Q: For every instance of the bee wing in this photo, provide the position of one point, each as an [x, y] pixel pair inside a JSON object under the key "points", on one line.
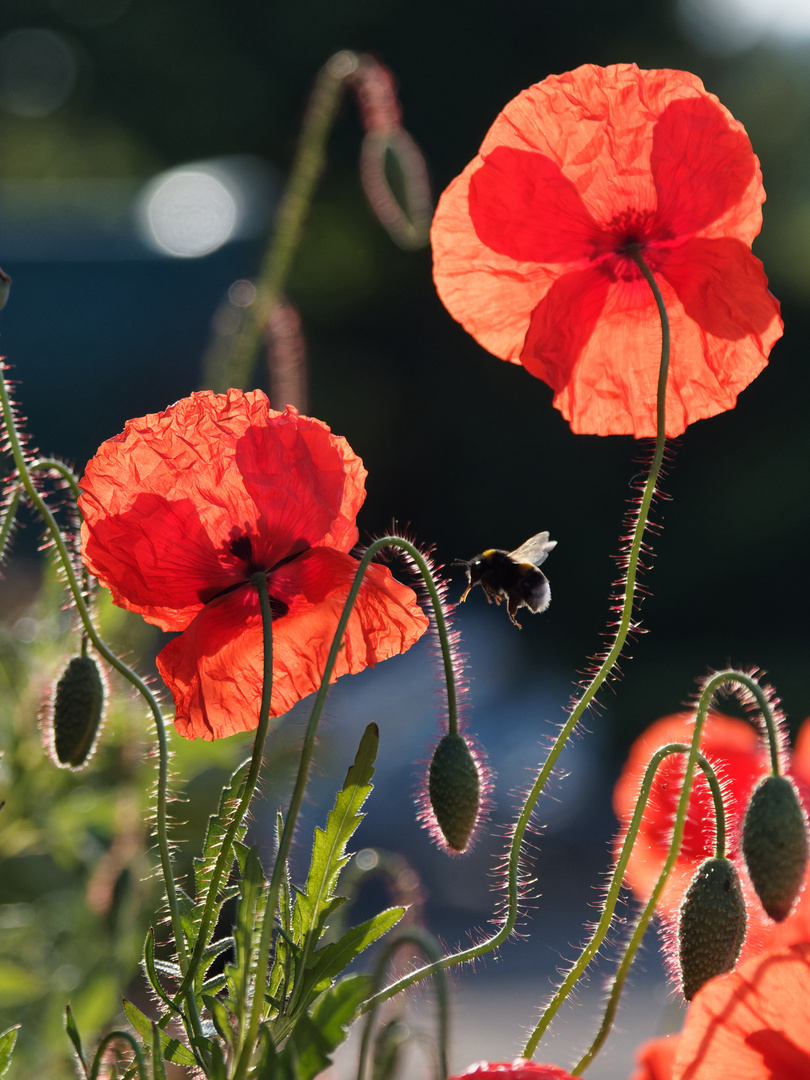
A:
{"points": [[535, 550]]}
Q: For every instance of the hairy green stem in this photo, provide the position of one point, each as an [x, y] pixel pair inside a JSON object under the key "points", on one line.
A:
{"points": [[248, 1034], [225, 853], [614, 889], [77, 594], [587, 696], [717, 682]]}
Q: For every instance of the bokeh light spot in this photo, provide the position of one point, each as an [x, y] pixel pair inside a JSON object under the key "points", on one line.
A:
{"points": [[37, 72], [729, 26], [188, 213]]}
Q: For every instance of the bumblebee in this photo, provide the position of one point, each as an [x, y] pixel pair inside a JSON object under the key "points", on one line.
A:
{"points": [[512, 576]]}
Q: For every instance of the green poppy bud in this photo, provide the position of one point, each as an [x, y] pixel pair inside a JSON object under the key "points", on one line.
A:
{"points": [[78, 709], [454, 788], [711, 924], [774, 843]]}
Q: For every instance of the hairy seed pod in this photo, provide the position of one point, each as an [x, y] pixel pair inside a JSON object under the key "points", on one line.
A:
{"points": [[454, 787], [78, 708], [711, 924], [774, 843]]}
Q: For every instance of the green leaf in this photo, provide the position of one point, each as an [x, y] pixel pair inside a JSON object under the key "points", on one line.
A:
{"points": [[151, 971], [217, 827], [327, 963], [74, 1036], [314, 1038], [220, 1016], [314, 903], [172, 1049], [247, 929], [7, 1041]]}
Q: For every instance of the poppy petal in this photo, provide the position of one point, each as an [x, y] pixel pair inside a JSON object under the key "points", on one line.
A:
{"points": [[165, 502], [695, 143], [214, 669], [571, 173], [752, 1024], [521, 205]]}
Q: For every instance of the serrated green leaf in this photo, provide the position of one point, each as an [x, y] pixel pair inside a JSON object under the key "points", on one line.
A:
{"points": [[247, 929], [172, 1049], [308, 1050], [329, 961], [74, 1036], [315, 901], [217, 827], [7, 1041]]}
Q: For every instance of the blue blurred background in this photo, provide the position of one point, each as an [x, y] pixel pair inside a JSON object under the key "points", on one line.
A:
{"points": [[106, 105]]}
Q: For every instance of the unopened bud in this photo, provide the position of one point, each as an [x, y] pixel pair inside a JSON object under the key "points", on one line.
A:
{"points": [[78, 708], [454, 787], [711, 924], [774, 843]]}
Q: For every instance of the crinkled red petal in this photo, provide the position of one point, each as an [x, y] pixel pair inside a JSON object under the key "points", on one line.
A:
{"points": [[164, 501], [702, 164], [521, 205], [214, 669]]}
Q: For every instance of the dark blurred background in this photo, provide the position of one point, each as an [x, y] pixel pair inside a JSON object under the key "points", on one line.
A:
{"points": [[100, 99]]}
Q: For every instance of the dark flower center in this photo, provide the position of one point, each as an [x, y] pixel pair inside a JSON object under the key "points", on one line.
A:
{"points": [[241, 547]]}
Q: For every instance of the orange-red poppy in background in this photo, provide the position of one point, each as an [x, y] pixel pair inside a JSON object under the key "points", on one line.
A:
{"points": [[531, 245], [740, 757], [751, 1024], [655, 1058], [520, 1069], [184, 506]]}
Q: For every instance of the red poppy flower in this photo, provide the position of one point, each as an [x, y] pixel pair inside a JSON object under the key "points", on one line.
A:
{"points": [[740, 756], [185, 505], [520, 1069], [530, 247], [752, 1024]]}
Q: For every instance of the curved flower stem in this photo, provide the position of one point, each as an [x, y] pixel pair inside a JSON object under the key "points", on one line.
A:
{"points": [[588, 952], [589, 693], [53, 465], [306, 170], [77, 593], [722, 678], [110, 1037], [428, 946], [225, 853], [10, 516], [308, 746]]}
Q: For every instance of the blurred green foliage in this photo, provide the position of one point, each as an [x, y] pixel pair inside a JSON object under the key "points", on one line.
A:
{"points": [[78, 885]]}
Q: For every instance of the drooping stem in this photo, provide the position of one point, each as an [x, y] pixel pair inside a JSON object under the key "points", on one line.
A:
{"points": [[600, 931], [589, 693], [428, 946], [717, 682], [83, 611], [236, 369]]}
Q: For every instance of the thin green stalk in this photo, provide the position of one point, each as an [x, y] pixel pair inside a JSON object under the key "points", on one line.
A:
{"points": [[113, 1036], [308, 747], [225, 853], [722, 678], [588, 694], [77, 593], [295, 204], [10, 516], [599, 933]]}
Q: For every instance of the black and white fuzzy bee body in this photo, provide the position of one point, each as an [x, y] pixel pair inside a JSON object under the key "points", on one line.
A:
{"points": [[512, 576]]}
